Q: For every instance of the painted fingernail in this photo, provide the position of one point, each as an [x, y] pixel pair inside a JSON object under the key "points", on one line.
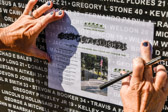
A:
{"points": [[60, 12], [56, 10], [52, 12], [48, 3], [145, 44]]}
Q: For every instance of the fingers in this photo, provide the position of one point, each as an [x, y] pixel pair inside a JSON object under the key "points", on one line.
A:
{"points": [[44, 20], [29, 6], [56, 16], [146, 51], [39, 54], [161, 76], [138, 69], [146, 56], [38, 12], [125, 84], [125, 81]]}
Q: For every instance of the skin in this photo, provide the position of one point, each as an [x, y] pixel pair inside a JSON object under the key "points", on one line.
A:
{"points": [[142, 92], [22, 34]]}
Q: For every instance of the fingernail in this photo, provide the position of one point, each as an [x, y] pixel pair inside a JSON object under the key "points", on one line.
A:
{"points": [[60, 12], [48, 3], [145, 44], [52, 12], [56, 10]]}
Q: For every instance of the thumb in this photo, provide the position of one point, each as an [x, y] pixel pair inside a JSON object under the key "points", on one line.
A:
{"points": [[39, 54]]}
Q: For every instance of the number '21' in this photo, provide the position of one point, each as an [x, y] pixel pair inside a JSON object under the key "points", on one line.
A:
{"points": [[161, 3]]}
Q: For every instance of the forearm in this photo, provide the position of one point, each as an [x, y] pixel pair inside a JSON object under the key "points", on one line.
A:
{"points": [[129, 110], [3, 35]]}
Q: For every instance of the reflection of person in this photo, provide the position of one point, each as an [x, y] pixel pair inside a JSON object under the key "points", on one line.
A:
{"points": [[142, 92], [21, 35]]}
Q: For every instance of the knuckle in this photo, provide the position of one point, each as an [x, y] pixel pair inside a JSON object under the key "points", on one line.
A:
{"points": [[138, 63], [139, 66], [36, 13], [162, 75], [40, 24], [147, 88], [161, 67], [135, 59], [161, 71], [138, 59], [29, 34], [135, 86]]}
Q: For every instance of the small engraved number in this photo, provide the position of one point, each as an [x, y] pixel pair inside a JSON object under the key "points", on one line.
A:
{"points": [[161, 3], [139, 11]]}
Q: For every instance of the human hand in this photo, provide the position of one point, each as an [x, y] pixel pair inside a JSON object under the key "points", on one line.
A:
{"points": [[142, 92], [22, 34]]}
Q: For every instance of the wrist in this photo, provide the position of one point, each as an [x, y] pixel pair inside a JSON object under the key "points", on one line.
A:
{"points": [[130, 110], [3, 36]]}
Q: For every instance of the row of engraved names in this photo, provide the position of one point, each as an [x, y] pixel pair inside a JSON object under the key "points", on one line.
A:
{"points": [[54, 100]]}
